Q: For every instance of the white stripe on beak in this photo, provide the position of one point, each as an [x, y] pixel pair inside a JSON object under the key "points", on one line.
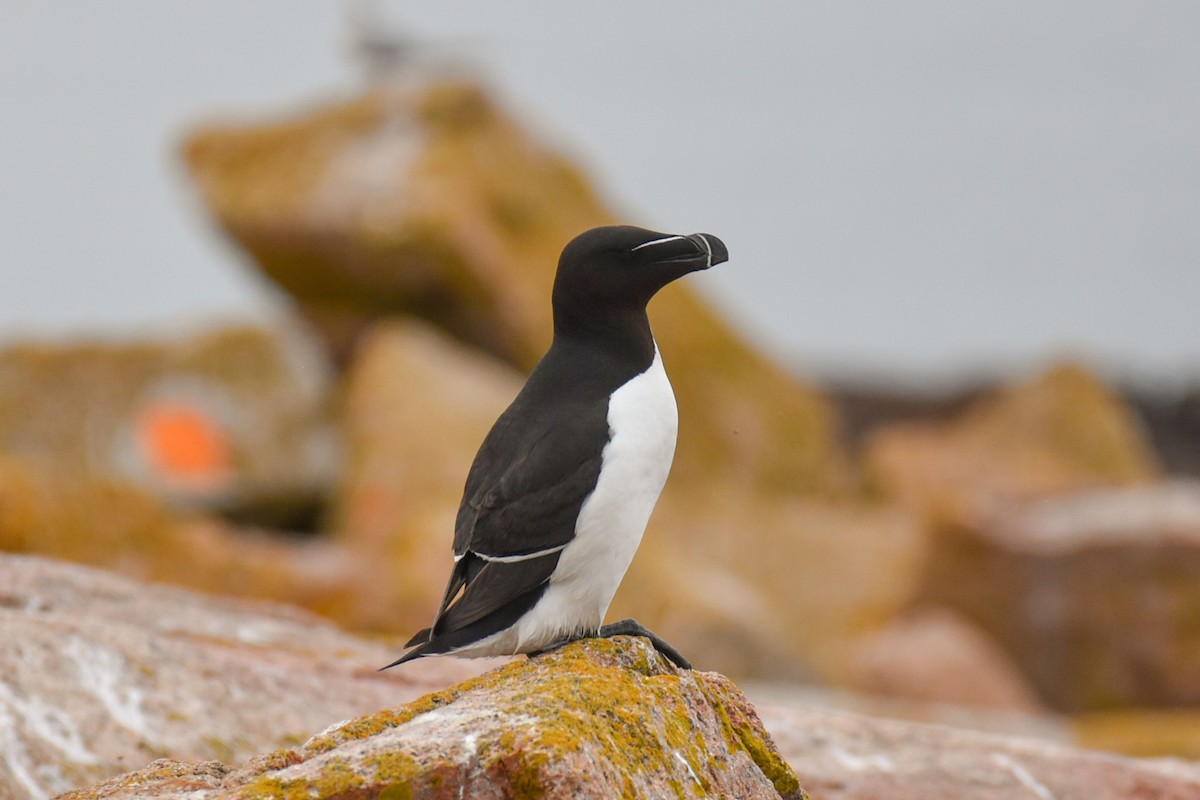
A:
{"points": [[707, 249]]}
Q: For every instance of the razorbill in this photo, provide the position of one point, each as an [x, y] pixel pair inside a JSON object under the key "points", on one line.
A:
{"points": [[560, 492]]}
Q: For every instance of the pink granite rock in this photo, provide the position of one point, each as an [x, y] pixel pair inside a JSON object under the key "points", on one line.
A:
{"points": [[936, 655], [1094, 594], [99, 675], [596, 719], [841, 756]]}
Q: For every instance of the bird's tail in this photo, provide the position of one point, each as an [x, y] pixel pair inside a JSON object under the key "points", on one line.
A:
{"points": [[419, 642]]}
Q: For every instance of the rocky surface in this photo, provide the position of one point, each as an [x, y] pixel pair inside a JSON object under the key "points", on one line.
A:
{"points": [[841, 756], [159, 692], [1053, 531], [936, 655], [99, 675], [415, 405], [233, 419], [776, 588], [800, 577], [1061, 431], [1095, 594], [119, 526], [1141, 732], [596, 719]]}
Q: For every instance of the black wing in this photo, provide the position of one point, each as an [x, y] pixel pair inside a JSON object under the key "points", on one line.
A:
{"points": [[526, 487], [522, 498]]}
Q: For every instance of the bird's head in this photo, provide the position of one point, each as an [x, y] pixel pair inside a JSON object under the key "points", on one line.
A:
{"points": [[620, 267]]}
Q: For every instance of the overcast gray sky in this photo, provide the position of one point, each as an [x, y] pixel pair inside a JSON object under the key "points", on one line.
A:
{"points": [[915, 187]]}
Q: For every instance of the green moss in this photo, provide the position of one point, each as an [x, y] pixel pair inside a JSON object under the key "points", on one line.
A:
{"points": [[520, 765], [336, 778], [398, 791], [394, 767], [526, 782], [613, 698], [221, 749], [741, 735], [264, 786]]}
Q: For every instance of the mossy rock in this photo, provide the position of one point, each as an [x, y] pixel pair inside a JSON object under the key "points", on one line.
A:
{"points": [[598, 718]]}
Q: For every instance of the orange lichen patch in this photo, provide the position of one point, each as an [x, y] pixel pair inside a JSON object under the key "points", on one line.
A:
{"points": [[183, 445]]}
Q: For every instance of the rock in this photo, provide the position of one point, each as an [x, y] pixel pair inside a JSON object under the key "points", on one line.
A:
{"points": [[1063, 431], [799, 578], [118, 526], [231, 420], [1141, 732], [415, 407], [602, 719], [841, 756], [1172, 419], [433, 203], [1061, 613], [768, 587], [778, 697], [935, 655], [101, 674], [1096, 595]]}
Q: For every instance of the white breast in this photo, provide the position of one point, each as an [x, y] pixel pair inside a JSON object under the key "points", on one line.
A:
{"points": [[643, 423]]}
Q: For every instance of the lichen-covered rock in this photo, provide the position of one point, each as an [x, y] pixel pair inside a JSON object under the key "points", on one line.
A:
{"points": [[1091, 620], [596, 719], [99, 674], [232, 419], [1095, 594], [1062, 431], [771, 587], [841, 756], [1143, 732], [116, 525], [432, 202], [415, 406]]}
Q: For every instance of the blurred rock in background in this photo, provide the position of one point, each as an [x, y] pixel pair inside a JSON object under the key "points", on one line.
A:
{"points": [[1019, 548], [1062, 431], [431, 203], [235, 420], [1094, 593], [434, 203]]}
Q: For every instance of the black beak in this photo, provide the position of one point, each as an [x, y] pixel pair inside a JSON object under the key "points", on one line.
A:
{"points": [[713, 247]]}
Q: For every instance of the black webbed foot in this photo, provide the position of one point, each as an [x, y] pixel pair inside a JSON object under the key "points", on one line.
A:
{"points": [[625, 627], [631, 627]]}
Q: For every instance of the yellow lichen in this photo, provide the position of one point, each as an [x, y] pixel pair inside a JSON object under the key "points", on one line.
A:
{"points": [[613, 699]]}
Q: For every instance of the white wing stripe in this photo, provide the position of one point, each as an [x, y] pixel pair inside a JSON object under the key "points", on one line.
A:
{"points": [[522, 557]]}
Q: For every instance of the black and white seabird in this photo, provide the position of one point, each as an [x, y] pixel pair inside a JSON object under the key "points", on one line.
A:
{"points": [[561, 490]]}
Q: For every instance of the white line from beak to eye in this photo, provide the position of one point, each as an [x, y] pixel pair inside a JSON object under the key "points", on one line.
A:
{"points": [[657, 241]]}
